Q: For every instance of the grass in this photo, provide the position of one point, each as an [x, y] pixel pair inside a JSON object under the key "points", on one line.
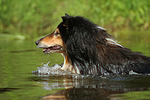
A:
{"points": [[35, 18]]}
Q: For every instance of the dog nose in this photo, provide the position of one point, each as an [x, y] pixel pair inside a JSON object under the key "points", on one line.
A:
{"points": [[37, 42]]}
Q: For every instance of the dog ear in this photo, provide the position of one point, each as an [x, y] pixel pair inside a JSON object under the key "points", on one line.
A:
{"points": [[66, 15], [64, 21], [64, 18]]}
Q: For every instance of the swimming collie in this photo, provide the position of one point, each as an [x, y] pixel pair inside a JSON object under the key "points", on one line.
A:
{"points": [[88, 49]]}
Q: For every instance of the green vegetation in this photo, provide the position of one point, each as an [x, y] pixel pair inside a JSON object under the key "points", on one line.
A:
{"points": [[32, 18]]}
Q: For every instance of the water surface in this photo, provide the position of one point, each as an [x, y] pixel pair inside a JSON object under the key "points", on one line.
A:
{"points": [[19, 58]]}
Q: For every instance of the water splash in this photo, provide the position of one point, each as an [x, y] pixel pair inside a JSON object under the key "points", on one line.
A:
{"points": [[45, 69], [56, 70], [133, 73]]}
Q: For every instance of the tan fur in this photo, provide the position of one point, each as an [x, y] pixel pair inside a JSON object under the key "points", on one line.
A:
{"points": [[52, 39], [68, 66]]}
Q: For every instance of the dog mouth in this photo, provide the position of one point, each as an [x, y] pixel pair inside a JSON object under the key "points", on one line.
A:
{"points": [[52, 49]]}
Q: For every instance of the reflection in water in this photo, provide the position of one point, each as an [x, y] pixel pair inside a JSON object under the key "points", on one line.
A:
{"points": [[89, 88], [2, 90], [79, 94]]}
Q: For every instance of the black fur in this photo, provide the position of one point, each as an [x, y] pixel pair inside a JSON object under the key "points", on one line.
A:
{"points": [[89, 50]]}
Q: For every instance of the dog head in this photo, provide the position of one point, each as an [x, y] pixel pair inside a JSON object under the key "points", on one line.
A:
{"points": [[53, 42]]}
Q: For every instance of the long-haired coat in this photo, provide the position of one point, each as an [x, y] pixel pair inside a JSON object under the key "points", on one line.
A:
{"points": [[88, 49]]}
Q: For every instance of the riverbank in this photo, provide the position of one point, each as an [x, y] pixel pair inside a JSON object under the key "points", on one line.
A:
{"points": [[36, 18]]}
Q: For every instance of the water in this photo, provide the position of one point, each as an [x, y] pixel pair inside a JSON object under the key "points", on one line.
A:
{"points": [[50, 70], [18, 59]]}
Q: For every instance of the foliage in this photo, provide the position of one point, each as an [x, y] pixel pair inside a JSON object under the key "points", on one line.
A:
{"points": [[32, 18]]}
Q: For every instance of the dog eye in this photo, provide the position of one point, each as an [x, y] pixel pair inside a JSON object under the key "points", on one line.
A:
{"points": [[56, 33]]}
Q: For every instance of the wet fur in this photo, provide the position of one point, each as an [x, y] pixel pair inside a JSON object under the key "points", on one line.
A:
{"points": [[89, 49]]}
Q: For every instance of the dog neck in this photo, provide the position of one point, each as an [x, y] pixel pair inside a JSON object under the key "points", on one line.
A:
{"points": [[67, 66]]}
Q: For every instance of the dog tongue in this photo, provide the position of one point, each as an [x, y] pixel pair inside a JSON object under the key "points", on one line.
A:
{"points": [[51, 48], [54, 48]]}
